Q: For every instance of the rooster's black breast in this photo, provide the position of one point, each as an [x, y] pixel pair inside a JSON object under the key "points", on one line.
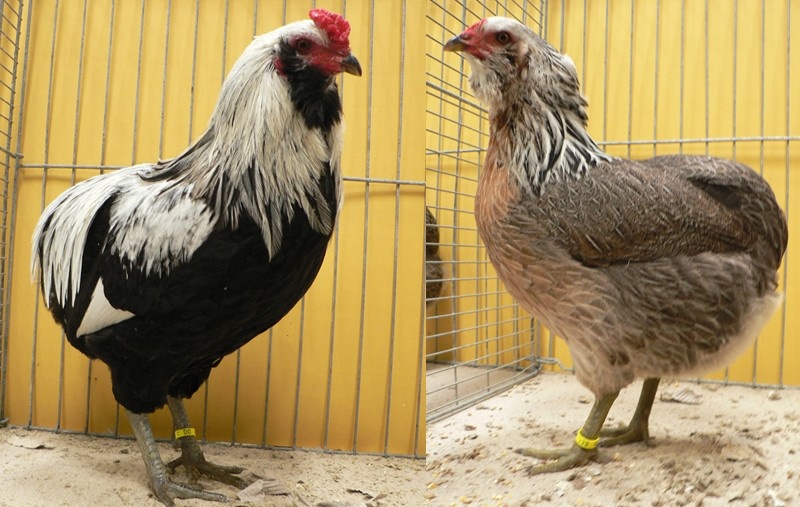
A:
{"points": [[188, 319]]}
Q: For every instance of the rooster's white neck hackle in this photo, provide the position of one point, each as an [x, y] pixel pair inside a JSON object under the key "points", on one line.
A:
{"points": [[257, 155]]}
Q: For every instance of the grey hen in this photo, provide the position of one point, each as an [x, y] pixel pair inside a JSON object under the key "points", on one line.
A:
{"points": [[660, 267]]}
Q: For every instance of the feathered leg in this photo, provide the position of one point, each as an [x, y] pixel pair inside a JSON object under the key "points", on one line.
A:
{"points": [[585, 447], [192, 457], [164, 489], [638, 429]]}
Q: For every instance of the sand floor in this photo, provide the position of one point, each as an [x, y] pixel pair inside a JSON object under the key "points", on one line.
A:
{"points": [[715, 446], [39, 468]]}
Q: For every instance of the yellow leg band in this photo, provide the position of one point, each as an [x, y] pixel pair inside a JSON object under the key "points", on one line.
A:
{"points": [[184, 432], [586, 443]]}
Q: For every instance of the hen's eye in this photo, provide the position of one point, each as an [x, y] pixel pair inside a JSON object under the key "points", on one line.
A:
{"points": [[503, 37], [303, 46]]}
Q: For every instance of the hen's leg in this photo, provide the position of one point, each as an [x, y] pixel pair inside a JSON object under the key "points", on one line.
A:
{"points": [[637, 430], [585, 447], [164, 489], [192, 457]]}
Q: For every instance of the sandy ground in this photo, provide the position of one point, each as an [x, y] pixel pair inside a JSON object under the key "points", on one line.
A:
{"points": [[46, 469], [711, 446]]}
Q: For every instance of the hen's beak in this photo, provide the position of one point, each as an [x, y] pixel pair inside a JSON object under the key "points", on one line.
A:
{"points": [[455, 44], [350, 65]]}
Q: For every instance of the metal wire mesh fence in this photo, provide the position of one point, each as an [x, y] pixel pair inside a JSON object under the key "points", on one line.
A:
{"points": [[10, 32], [714, 77], [478, 341], [110, 84]]}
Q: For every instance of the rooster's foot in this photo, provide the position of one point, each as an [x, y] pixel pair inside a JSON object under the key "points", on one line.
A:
{"points": [[196, 465], [165, 490]]}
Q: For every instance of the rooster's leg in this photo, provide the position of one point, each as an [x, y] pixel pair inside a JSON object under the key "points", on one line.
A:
{"points": [[192, 457], [164, 489], [637, 430], [577, 455]]}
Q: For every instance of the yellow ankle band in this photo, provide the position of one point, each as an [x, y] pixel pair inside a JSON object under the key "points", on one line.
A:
{"points": [[184, 432], [586, 443]]}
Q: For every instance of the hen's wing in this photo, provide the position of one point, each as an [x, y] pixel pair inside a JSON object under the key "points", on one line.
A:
{"points": [[626, 211]]}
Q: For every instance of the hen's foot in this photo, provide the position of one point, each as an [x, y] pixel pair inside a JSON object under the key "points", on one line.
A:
{"points": [[559, 459], [196, 465], [634, 432], [638, 429]]}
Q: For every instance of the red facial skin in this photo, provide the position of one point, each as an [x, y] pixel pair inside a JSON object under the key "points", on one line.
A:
{"points": [[333, 58], [326, 59], [479, 42]]}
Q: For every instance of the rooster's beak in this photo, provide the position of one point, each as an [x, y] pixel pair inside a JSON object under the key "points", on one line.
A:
{"points": [[456, 44], [350, 65]]}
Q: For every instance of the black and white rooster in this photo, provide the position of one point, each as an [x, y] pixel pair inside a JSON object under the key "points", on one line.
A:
{"points": [[160, 270]]}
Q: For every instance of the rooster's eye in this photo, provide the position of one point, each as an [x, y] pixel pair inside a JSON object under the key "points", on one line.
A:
{"points": [[303, 46], [502, 37]]}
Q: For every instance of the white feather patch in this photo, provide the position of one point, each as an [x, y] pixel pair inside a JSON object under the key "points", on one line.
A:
{"points": [[67, 220], [159, 224], [100, 313]]}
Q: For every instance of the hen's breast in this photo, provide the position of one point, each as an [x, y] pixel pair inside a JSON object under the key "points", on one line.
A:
{"points": [[689, 310]]}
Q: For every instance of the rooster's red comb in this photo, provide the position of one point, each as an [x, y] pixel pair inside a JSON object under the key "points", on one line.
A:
{"points": [[337, 28]]}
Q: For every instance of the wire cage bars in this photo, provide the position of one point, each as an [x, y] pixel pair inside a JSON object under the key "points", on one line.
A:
{"points": [[713, 77], [10, 33], [478, 341], [110, 84]]}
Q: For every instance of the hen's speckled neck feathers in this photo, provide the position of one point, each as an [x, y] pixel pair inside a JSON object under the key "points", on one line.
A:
{"points": [[538, 113]]}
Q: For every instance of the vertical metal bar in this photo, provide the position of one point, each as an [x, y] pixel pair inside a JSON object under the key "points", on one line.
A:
{"points": [[605, 76], [786, 201], [266, 387], [585, 40], [138, 86], [164, 81], [630, 83], [194, 68], [74, 162], [734, 53], [562, 22], [299, 371], [681, 76], [366, 229], [395, 261], [103, 146], [733, 131], [655, 77], [238, 352], [420, 388], [761, 145], [103, 143], [135, 135], [707, 75], [329, 377], [255, 17]]}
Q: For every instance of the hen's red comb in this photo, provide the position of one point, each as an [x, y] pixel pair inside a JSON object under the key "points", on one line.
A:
{"points": [[337, 28]]}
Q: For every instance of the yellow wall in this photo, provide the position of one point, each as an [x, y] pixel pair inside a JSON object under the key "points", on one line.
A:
{"points": [[616, 60], [372, 360]]}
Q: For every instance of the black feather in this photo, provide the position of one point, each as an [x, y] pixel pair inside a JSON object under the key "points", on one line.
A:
{"points": [[313, 92]]}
